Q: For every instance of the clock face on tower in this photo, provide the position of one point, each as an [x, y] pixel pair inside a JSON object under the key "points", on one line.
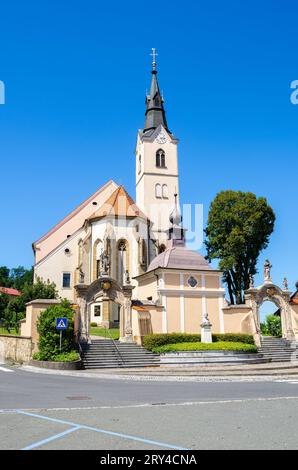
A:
{"points": [[161, 138]]}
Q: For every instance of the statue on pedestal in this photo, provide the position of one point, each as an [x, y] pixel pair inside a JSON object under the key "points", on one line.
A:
{"points": [[267, 270], [104, 264]]}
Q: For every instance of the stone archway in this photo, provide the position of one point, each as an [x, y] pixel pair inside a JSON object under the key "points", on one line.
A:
{"points": [[105, 289], [281, 298]]}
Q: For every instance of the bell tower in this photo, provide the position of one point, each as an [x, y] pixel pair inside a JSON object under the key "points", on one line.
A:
{"points": [[156, 163]]}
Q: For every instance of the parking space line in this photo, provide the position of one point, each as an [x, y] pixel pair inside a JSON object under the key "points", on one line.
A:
{"points": [[3, 369], [102, 431], [52, 438]]}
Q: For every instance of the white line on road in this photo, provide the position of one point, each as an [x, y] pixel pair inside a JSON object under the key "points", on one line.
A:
{"points": [[77, 426], [3, 369], [152, 405]]}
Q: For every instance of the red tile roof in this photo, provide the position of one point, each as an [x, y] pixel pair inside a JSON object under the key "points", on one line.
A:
{"points": [[118, 204], [10, 291]]}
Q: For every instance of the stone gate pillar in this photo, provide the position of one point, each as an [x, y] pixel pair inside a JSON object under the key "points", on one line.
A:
{"points": [[81, 290], [126, 333]]}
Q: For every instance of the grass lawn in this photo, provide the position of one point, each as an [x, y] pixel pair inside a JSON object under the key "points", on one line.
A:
{"points": [[12, 332], [113, 332], [219, 346]]}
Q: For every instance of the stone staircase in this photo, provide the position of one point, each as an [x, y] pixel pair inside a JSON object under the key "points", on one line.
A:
{"points": [[108, 354], [278, 349]]}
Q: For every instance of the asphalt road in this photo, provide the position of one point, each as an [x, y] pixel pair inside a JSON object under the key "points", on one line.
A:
{"points": [[39, 411]]}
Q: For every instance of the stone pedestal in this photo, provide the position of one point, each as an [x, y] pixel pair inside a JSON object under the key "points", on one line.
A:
{"points": [[206, 333], [126, 333]]}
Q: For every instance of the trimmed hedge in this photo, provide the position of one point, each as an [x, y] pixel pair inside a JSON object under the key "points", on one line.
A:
{"points": [[219, 346], [157, 340], [234, 337]]}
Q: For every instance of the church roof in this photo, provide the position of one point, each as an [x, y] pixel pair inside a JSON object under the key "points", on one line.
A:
{"points": [[74, 213], [179, 257], [118, 204], [155, 113]]}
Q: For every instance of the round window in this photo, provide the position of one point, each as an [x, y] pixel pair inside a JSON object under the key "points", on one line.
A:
{"points": [[192, 282]]}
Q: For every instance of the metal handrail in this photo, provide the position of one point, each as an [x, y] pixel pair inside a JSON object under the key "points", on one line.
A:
{"points": [[116, 347]]}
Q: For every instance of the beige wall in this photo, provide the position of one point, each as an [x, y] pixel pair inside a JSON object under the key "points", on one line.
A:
{"points": [[193, 315], [212, 282], [238, 319], [29, 324], [213, 312], [294, 315], [54, 265], [173, 314], [15, 348]]}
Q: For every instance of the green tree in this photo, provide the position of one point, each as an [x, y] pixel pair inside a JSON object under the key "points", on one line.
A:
{"points": [[238, 229], [272, 326], [4, 300], [5, 280], [20, 277], [16, 308], [49, 337]]}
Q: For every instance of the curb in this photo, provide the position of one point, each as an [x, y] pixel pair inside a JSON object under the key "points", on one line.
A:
{"points": [[166, 378]]}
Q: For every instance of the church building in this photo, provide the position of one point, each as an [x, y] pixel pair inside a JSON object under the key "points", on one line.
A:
{"points": [[138, 246]]}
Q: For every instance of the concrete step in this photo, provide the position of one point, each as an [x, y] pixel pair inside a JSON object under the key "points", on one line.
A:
{"points": [[109, 354]]}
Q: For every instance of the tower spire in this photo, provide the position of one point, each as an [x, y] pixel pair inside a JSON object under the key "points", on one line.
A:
{"points": [[154, 55], [155, 113]]}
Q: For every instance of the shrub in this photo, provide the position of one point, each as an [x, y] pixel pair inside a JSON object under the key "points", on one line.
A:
{"points": [[63, 357], [49, 337], [272, 326], [93, 324], [220, 346], [234, 337], [157, 340]]}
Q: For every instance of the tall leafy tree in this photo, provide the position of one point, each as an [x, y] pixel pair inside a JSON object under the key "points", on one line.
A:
{"points": [[21, 277], [238, 229], [5, 280]]}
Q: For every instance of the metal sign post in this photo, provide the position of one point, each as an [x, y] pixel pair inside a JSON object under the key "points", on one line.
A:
{"points": [[61, 324]]}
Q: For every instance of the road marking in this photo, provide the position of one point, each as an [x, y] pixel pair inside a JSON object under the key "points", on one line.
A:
{"points": [[290, 382], [148, 405], [52, 438], [102, 431], [3, 369]]}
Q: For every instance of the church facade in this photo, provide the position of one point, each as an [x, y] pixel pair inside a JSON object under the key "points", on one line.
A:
{"points": [[125, 262]]}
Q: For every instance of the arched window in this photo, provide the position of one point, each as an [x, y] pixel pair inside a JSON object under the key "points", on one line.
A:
{"points": [[158, 191], [165, 191], [97, 251], [122, 258], [160, 159]]}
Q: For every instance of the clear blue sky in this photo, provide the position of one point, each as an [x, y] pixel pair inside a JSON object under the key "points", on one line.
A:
{"points": [[76, 75]]}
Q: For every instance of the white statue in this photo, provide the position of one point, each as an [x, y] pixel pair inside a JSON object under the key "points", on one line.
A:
{"points": [[267, 270], [285, 284]]}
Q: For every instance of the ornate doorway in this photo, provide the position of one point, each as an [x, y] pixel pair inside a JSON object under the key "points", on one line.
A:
{"points": [[105, 291], [269, 292]]}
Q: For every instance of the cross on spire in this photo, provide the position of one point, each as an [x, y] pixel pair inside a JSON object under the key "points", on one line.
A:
{"points": [[154, 55]]}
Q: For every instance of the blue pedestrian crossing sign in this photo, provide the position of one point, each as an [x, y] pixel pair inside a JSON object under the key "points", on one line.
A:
{"points": [[61, 323]]}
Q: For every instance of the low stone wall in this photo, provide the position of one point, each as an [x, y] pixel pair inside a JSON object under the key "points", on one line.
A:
{"points": [[192, 358], [15, 348], [73, 365]]}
